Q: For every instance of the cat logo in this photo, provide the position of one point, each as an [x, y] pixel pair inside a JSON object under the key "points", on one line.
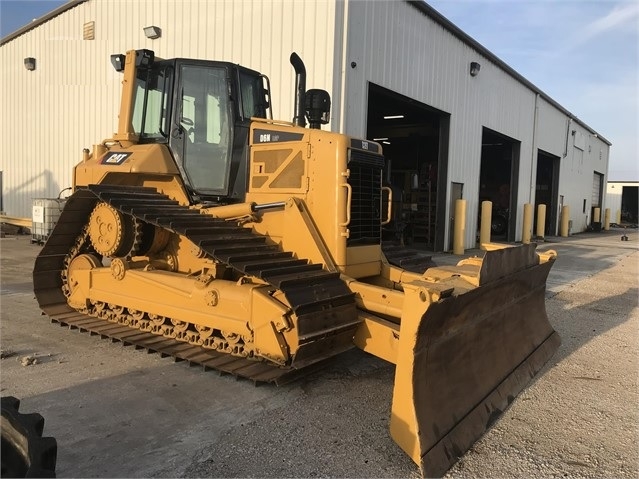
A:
{"points": [[114, 158]]}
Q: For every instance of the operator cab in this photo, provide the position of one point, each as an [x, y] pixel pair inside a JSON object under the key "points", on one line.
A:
{"points": [[202, 110]]}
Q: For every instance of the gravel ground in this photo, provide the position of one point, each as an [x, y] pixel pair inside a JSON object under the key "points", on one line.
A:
{"points": [[117, 412], [580, 418], [317, 436]]}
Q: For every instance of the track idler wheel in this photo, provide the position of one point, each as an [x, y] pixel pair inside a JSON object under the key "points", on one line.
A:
{"points": [[25, 453]]}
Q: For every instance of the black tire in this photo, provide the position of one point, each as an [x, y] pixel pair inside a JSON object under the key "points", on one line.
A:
{"points": [[498, 225], [25, 453]]}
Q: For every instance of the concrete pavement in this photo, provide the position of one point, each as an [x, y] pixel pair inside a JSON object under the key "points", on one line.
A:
{"points": [[117, 412]]}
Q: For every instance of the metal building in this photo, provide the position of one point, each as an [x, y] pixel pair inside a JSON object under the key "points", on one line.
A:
{"points": [[454, 120], [622, 198]]}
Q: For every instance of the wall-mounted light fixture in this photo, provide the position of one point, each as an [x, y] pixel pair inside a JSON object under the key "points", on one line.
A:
{"points": [[474, 69], [30, 63], [117, 61], [152, 32]]}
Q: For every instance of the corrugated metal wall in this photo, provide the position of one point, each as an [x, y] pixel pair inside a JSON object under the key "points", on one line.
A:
{"points": [[400, 48], [585, 155], [71, 100], [47, 114], [581, 155], [614, 195]]}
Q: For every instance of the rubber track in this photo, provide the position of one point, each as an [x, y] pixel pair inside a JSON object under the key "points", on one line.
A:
{"points": [[324, 305]]}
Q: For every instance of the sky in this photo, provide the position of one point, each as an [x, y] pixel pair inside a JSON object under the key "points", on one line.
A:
{"points": [[15, 14], [584, 54]]}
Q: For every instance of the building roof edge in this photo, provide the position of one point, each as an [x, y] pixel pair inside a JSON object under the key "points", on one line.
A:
{"points": [[429, 11], [43, 19]]}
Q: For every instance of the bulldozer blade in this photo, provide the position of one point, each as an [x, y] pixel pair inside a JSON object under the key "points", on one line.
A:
{"points": [[463, 360]]}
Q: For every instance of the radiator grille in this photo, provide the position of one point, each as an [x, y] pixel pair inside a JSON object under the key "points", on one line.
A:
{"points": [[366, 203]]}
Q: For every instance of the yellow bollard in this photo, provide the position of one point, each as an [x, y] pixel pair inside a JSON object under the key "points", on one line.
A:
{"points": [[460, 227], [565, 218], [596, 215], [618, 217], [527, 228], [541, 221], [486, 220], [607, 219]]}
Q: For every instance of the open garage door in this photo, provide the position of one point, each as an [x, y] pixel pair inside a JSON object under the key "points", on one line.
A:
{"points": [[596, 199], [629, 206], [414, 137], [498, 181], [547, 190]]}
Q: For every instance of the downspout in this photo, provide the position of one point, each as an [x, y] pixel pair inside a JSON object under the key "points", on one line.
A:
{"points": [[567, 136], [533, 155], [561, 197]]}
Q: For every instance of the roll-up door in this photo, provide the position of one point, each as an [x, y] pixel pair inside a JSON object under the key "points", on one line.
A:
{"points": [[597, 181]]}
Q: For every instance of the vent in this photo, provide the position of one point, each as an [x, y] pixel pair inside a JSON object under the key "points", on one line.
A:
{"points": [[366, 202], [88, 31]]}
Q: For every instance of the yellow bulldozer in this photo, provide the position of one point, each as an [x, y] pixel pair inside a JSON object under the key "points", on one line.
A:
{"points": [[207, 231]]}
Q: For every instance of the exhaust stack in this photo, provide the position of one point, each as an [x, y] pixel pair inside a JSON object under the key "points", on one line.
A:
{"points": [[300, 89]]}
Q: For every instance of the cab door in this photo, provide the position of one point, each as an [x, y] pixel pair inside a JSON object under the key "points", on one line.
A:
{"points": [[201, 134]]}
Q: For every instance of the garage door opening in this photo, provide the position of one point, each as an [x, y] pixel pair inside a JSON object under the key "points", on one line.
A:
{"points": [[629, 204], [414, 137], [547, 190], [498, 181], [596, 200]]}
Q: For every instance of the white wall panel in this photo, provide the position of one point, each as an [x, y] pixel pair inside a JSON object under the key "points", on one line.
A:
{"points": [[552, 129], [614, 193], [400, 48], [576, 172], [71, 100], [51, 113]]}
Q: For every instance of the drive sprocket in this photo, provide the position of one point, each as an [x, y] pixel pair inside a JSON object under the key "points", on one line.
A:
{"points": [[112, 233]]}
